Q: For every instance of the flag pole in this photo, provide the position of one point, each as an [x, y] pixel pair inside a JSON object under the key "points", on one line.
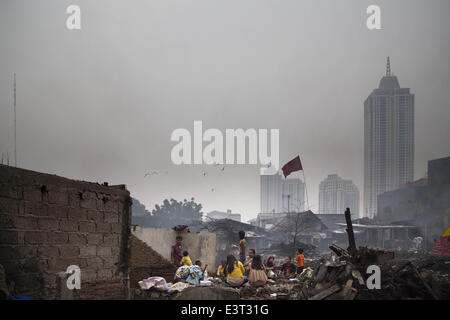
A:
{"points": [[306, 189]]}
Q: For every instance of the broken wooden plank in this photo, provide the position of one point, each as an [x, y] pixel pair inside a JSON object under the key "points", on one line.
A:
{"points": [[325, 293], [430, 291], [351, 295], [305, 293], [347, 288], [357, 275], [321, 273], [318, 288], [339, 251]]}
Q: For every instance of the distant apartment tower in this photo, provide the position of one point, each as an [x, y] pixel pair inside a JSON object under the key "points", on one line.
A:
{"points": [[337, 194], [280, 195], [388, 140], [217, 215]]}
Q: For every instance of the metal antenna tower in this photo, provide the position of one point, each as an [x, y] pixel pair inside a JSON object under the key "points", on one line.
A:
{"points": [[388, 68]]}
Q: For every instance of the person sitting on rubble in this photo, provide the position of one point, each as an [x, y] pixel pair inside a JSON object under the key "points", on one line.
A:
{"points": [[248, 264], [257, 276], [270, 267], [270, 263], [288, 268], [221, 269], [234, 272], [300, 261], [186, 260], [199, 264]]}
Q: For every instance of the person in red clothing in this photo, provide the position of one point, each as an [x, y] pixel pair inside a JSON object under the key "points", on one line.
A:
{"points": [[300, 261], [176, 251]]}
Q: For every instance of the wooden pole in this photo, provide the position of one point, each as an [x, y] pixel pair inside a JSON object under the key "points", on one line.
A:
{"points": [[350, 234]]}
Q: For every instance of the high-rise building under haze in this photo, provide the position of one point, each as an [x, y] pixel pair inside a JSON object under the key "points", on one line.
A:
{"points": [[337, 194], [388, 140], [280, 195]]}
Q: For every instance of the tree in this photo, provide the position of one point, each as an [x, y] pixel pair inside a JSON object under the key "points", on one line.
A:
{"points": [[294, 225], [173, 212], [138, 209]]}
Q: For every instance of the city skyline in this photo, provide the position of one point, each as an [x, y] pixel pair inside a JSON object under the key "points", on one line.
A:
{"points": [[99, 104]]}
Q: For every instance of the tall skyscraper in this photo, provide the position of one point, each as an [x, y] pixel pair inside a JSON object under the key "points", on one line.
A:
{"points": [[337, 194], [388, 140], [279, 194]]}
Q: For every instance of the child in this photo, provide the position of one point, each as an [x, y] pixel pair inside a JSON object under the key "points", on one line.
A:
{"points": [[199, 264], [186, 261], [300, 261]]}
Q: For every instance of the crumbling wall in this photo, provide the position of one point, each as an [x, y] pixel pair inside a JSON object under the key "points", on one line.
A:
{"points": [[200, 245], [146, 262], [48, 223]]}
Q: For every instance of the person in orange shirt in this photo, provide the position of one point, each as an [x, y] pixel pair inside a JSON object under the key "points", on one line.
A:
{"points": [[300, 261]]}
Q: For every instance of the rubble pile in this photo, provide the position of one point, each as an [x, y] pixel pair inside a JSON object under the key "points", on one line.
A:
{"points": [[152, 294], [281, 289], [346, 277], [341, 279], [412, 279]]}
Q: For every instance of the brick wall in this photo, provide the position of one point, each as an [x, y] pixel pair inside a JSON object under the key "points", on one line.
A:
{"points": [[48, 223]]}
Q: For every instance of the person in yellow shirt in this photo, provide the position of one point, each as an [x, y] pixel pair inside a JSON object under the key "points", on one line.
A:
{"points": [[221, 269], [234, 272], [186, 261], [300, 261]]}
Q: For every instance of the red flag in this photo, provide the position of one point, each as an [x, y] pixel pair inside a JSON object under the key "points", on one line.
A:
{"points": [[292, 166]]}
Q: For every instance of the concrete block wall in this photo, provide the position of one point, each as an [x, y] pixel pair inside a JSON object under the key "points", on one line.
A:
{"points": [[146, 262], [200, 245], [48, 223]]}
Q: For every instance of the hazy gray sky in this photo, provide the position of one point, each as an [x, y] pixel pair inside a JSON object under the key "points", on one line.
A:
{"points": [[99, 104]]}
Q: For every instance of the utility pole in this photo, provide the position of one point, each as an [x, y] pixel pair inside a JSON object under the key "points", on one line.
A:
{"points": [[296, 223], [289, 200]]}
